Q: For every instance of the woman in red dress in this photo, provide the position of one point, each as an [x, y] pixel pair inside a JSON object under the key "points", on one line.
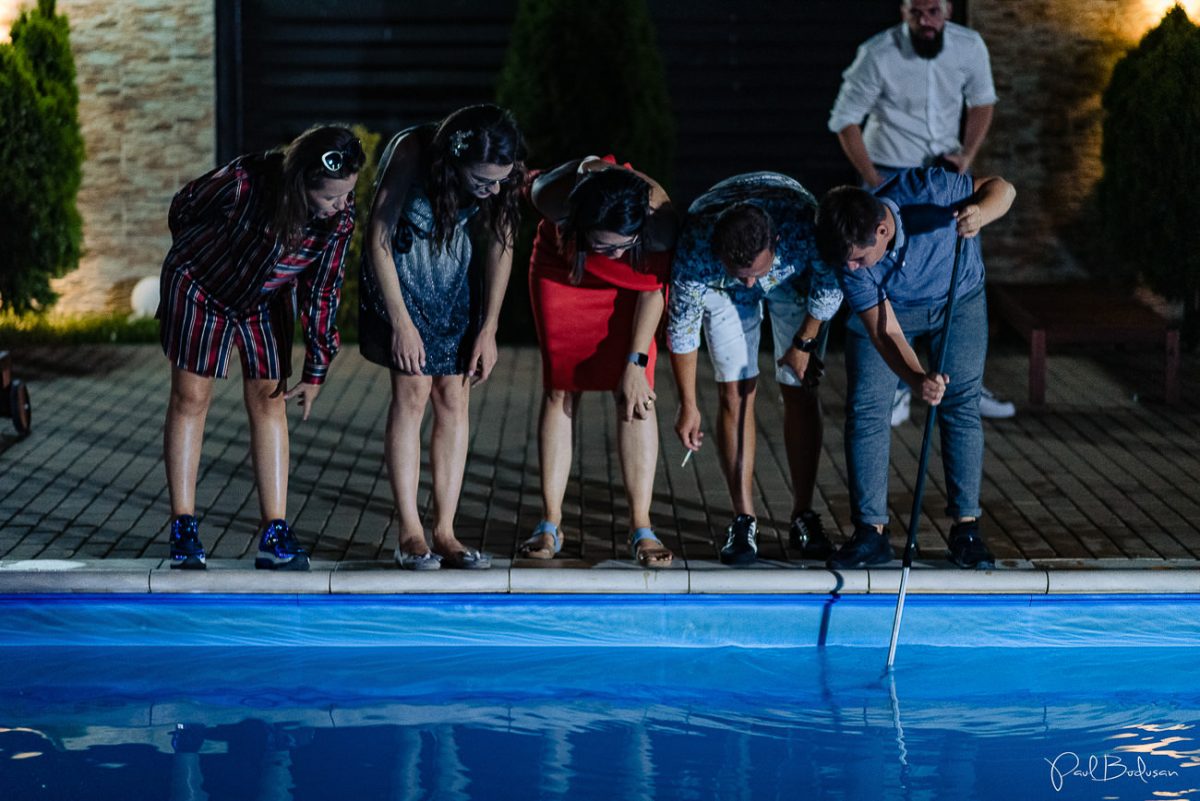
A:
{"points": [[597, 279]]}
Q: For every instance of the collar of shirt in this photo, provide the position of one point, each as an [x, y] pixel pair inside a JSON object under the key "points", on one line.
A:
{"points": [[778, 273]]}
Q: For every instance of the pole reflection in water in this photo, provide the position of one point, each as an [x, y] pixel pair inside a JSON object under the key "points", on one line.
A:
{"points": [[406, 756]]}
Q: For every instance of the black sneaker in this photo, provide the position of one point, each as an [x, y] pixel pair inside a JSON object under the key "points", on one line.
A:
{"points": [[278, 549], [187, 552], [741, 543], [967, 549], [866, 547], [808, 537]]}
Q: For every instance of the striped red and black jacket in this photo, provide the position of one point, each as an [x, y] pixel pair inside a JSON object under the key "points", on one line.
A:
{"points": [[222, 238]]}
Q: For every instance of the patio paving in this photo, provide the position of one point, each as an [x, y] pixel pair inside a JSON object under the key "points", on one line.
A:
{"points": [[1106, 476]]}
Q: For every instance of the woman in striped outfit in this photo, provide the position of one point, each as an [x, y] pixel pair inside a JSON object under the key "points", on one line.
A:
{"points": [[252, 241]]}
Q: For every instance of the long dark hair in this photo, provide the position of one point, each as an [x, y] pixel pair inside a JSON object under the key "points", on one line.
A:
{"points": [[483, 134], [613, 200], [304, 168]]}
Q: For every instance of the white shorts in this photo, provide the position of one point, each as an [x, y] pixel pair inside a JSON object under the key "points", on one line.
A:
{"points": [[732, 330]]}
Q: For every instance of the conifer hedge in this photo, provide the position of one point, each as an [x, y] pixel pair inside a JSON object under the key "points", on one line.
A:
{"points": [[1148, 196], [582, 77], [41, 159], [585, 77]]}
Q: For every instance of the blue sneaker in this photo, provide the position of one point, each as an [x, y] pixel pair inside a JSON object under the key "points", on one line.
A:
{"points": [[187, 552], [278, 549]]}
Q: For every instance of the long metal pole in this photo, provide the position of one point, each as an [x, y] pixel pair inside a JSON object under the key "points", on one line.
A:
{"points": [[914, 519]]}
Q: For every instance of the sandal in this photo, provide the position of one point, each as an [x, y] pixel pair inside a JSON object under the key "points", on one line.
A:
{"points": [[532, 546], [646, 557]]}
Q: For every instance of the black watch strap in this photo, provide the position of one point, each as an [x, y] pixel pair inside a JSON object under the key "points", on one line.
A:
{"points": [[804, 345]]}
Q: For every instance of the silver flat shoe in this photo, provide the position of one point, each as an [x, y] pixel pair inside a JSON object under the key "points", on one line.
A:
{"points": [[470, 559], [412, 561]]}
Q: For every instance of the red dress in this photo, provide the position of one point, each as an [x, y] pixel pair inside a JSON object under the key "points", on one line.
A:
{"points": [[585, 330]]}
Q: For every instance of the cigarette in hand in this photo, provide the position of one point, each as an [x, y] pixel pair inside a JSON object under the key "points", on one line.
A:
{"points": [[686, 456]]}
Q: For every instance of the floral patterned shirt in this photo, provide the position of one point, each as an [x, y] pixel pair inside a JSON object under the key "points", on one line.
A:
{"points": [[697, 271]]}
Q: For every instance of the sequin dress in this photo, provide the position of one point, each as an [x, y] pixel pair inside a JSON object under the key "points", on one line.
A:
{"points": [[440, 291]]}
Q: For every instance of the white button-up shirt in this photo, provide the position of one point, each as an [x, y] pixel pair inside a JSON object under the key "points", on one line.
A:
{"points": [[914, 104]]}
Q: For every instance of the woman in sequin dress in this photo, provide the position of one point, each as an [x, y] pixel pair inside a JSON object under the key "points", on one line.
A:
{"points": [[428, 314]]}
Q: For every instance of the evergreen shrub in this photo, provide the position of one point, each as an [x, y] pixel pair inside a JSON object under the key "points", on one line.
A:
{"points": [[583, 77], [41, 159], [1151, 156]]}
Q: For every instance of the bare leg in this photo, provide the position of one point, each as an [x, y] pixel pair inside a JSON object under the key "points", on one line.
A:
{"points": [[637, 446], [268, 445], [402, 453], [448, 457], [183, 436], [556, 432], [802, 432], [736, 440]]}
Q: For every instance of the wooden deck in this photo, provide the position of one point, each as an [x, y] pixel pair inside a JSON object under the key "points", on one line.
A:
{"points": [[1105, 475]]}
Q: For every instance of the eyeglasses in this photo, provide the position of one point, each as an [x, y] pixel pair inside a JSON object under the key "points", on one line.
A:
{"points": [[478, 183], [612, 250], [334, 160]]}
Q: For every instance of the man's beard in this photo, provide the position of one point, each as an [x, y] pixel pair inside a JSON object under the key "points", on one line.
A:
{"points": [[928, 48]]}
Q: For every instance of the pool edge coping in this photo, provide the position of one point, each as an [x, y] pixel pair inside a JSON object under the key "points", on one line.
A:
{"points": [[153, 576]]}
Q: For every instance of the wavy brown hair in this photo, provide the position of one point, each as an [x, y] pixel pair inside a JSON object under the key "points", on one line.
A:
{"points": [[303, 169], [483, 134]]}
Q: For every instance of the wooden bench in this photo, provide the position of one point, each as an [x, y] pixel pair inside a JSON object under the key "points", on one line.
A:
{"points": [[1081, 313]]}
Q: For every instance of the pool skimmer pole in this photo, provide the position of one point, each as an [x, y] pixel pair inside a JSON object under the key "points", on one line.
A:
{"points": [[919, 488]]}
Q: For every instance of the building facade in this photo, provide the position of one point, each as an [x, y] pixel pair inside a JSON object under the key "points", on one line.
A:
{"points": [[158, 93]]}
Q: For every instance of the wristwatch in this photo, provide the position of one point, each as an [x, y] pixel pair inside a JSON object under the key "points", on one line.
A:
{"points": [[804, 345], [640, 359]]}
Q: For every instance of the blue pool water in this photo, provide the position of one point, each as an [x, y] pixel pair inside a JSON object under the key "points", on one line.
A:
{"points": [[598, 698]]}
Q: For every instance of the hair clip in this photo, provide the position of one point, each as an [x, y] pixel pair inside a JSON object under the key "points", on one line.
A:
{"points": [[458, 141]]}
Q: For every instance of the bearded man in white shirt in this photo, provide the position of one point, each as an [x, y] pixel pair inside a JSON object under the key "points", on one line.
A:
{"points": [[911, 82]]}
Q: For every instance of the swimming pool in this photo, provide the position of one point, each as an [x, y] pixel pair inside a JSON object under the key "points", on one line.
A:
{"points": [[469, 697]]}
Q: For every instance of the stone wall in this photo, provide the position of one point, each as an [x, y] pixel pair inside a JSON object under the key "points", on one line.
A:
{"points": [[1051, 60], [147, 99], [147, 106]]}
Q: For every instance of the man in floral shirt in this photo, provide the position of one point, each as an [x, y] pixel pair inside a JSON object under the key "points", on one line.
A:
{"points": [[749, 239]]}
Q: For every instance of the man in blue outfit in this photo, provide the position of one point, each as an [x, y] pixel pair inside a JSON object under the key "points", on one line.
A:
{"points": [[895, 249], [745, 242]]}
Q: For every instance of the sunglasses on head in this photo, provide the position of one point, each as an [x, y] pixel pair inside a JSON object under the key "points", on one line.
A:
{"points": [[334, 160]]}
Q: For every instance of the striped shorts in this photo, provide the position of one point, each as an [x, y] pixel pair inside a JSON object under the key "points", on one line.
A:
{"points": [[198, 335]]}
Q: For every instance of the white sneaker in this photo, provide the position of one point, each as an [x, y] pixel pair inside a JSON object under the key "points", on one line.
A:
{"points": [[989, 406], [901, 406]]}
